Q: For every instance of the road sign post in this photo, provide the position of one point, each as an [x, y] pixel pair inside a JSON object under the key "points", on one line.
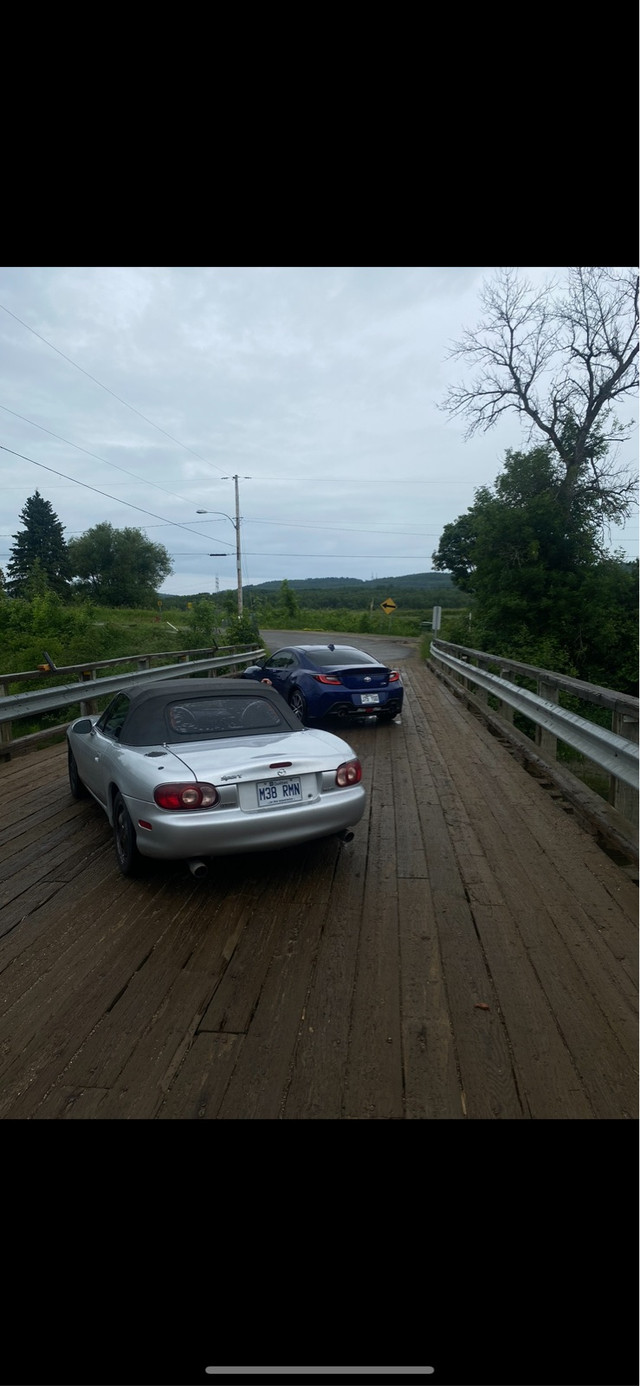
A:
{"points": [[388, 605]]}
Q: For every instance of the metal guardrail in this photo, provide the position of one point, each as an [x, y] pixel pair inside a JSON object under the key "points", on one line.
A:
{"points": [[608, 749], [85, 668], [86, 691], [613, 753]]}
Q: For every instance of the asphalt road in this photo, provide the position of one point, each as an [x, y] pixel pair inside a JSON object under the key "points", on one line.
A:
{"points": [[390, 649]]}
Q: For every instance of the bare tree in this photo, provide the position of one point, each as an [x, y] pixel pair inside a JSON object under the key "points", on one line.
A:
{"points": [[560, 357]]}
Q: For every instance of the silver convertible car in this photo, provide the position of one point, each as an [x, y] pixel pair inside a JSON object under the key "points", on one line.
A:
{"points": [[198, 768]]}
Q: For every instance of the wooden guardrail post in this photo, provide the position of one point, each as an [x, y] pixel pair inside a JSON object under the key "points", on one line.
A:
{"points": [[624, 797], [88, 706], [478, 692], [547, 742], [5, 727], [506, 711]]}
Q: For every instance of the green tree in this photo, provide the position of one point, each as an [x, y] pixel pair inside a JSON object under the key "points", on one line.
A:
{"points": [[119, 568], [544, 589], [288, 601], [203, 624], [242, 630], [40, 551]]}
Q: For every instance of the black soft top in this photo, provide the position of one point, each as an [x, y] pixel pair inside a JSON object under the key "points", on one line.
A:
{"points": [[145, 723]]}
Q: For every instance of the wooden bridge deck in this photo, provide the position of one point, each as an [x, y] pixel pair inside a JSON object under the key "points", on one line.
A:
{"points": [[471, 954]]}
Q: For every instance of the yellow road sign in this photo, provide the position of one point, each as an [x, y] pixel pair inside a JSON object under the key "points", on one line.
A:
{"points": [[388, 605]]}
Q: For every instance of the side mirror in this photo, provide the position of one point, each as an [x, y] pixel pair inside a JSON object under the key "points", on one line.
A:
{"points": [[251, 670], [83, 725]]}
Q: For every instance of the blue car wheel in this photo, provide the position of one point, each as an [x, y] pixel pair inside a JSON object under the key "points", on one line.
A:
{"points": [[297, 704]]}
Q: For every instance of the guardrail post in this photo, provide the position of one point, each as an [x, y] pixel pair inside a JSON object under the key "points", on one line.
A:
{"points": [[88, 706], [5, 727], [546, 740], [69, 694], [506, 711], [478, 692], [624, 797]]}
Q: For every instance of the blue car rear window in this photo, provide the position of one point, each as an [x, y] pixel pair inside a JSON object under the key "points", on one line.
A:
{"points": [[322, 657]]}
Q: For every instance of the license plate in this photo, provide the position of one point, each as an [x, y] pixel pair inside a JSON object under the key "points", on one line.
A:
{"points": [[275, 792], [369, 698]]}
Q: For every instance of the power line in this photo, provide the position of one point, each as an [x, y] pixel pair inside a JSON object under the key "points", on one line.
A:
{"points": [[289, 524], [110, 392], [87, 487], [104, 461]]}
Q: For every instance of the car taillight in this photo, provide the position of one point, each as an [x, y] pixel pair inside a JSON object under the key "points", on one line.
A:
{"points": [[325, 679], [393, 676], [189, 796], [349, 773]]}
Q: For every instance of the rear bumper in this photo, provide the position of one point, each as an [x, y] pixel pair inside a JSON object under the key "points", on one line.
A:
{"points": [[345, 708], [225, 830]]}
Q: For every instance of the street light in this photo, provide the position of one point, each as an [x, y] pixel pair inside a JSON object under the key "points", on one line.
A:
{"points": [[236, 526]]}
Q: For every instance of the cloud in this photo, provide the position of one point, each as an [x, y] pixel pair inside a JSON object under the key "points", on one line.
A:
{"points": [[317, 386]]}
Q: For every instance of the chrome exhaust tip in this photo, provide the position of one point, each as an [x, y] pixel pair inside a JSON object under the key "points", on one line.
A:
{"points": [[198, 869], [345, 836]]}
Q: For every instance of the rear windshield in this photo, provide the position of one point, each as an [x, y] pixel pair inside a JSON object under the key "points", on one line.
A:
{"points": [[196, 719], [321, 656]]}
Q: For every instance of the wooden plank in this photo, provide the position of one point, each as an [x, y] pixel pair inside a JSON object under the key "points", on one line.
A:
{"points": [[65, 1101], [321, 1054], [488, 1083], [579, 899], [41, 1039], [173, 987], [259, 1082], [373, 1082], [54, 902], [326, 982], [431, 1079], [545, 917], [203, 1079]]}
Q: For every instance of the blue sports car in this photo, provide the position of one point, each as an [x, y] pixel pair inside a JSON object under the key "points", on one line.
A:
{"points": [[320, 681]]}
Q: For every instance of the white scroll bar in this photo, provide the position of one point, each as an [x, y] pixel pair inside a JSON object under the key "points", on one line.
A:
{"points": [[341, 1372]]}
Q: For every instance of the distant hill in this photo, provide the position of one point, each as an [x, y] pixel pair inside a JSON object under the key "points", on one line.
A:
{"points": [[410, 590], [363, 585]]}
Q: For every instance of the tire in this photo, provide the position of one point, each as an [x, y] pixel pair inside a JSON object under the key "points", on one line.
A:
{"points": [[76, 785], [124, 838], [298, 704]]}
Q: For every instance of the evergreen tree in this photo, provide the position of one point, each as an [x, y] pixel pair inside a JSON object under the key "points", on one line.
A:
{"points": [[40, 551]]}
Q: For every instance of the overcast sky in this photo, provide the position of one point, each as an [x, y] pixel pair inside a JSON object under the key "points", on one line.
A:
{"points": [[138, 393]]}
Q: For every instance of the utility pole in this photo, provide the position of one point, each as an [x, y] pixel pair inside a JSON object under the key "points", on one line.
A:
{"points": [[235, 479], [236, 526], [238, 559]]}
